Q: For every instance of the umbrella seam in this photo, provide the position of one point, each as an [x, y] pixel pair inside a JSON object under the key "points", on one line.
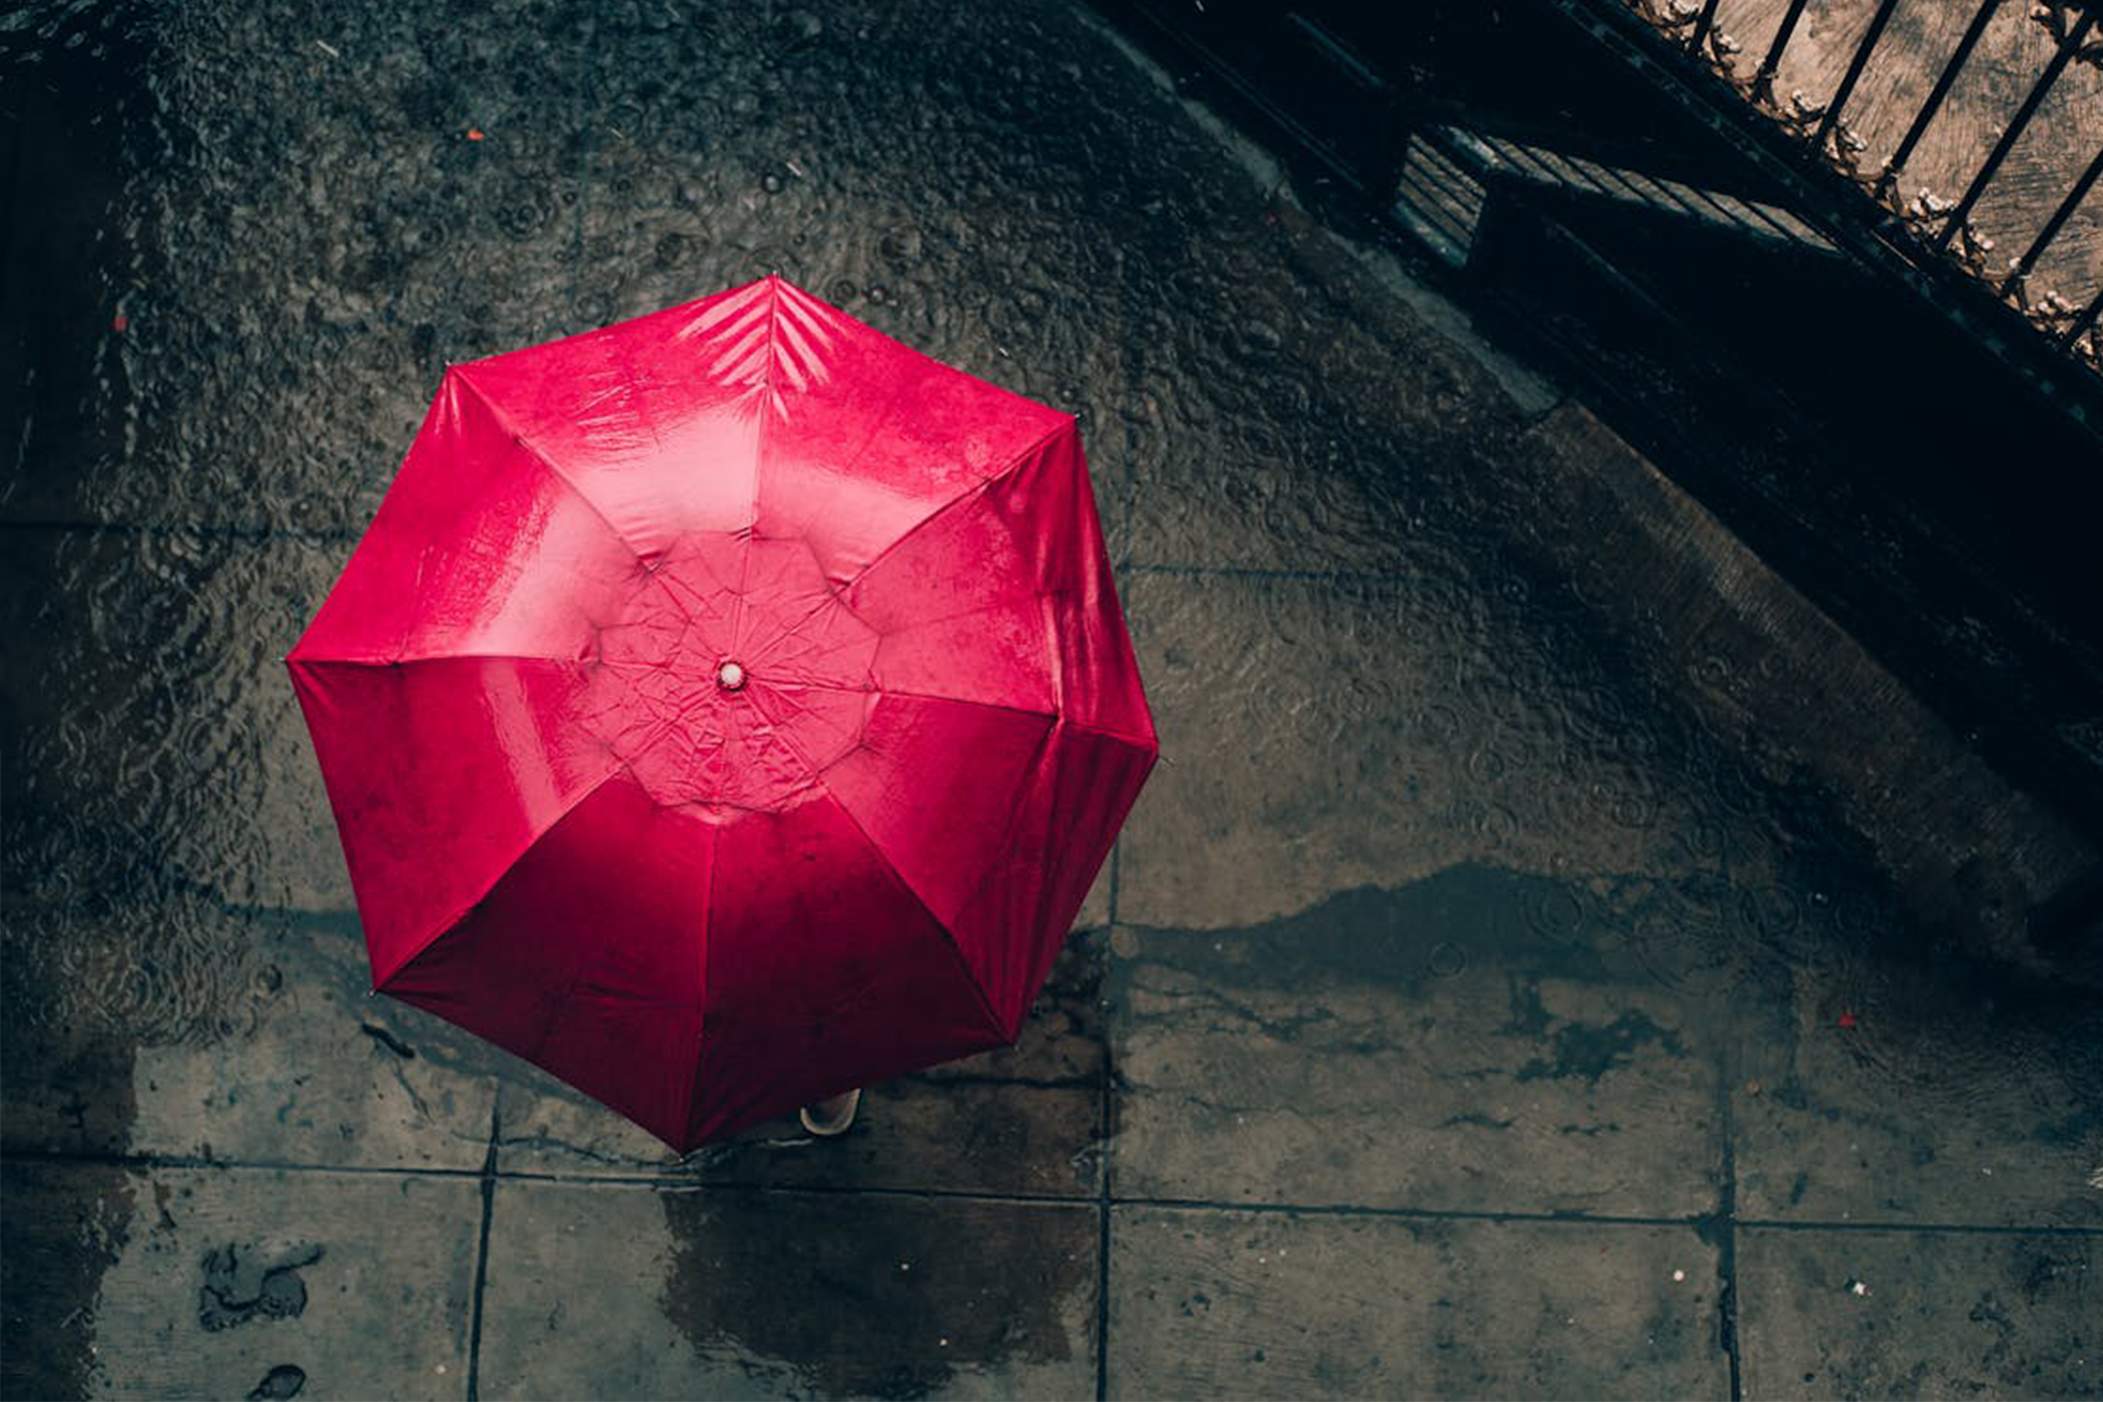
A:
{"points": [[1037, 761], [547, 464], [1145, 745], [1019, 594], [1137, 742], [978, 488], [1087, 727], [853, 461], [767, 398], [377, 662], [983, 485], [708, 944], [949, 939], [920, 696], [452, 921]]}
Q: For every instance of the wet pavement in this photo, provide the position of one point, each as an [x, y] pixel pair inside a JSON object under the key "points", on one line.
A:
{"points": [[1551, 959]]}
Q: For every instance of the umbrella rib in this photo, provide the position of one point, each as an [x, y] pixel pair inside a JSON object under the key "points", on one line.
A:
{"points": [[885, 635], [428, 657], [444, 927], [708, 911], [902, 383], [1052, 732], [949, 939], [985, 484], [1037, 760], [534, 451], [931, 696], [759, 465], [1104, 732]]}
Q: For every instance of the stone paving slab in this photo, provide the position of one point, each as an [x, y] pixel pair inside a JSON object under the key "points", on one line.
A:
{"points": [[613, 1291], [1939, 1314], [1022, 1120], [1207, 1304], [299, 1066], [1896, 1092], [205, 1283], [1423, 1048], [1459, 732]]}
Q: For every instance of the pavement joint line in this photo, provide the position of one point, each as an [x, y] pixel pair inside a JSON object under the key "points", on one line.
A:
{"points": [[1103, 1214], [1102, 1167], [321, 535], [147, 1161], [1727, 1239], [1409, 1214], [1266, 572], [670, 1181], [674, 1184], [1116, 874], [489, 1194], [350, 535], [1766, 1224]]}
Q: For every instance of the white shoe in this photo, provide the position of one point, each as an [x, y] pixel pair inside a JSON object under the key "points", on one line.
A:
{"points": [[833, 1115]]}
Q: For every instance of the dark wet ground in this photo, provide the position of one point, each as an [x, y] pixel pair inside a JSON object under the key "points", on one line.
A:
{"points": [[1552, 959]]}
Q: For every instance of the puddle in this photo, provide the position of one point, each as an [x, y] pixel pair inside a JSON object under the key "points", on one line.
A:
{"points": [[51, 1294], [915, 1291]]}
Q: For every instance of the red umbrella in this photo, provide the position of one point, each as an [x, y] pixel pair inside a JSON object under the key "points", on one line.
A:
{"points": [[726, 708]]}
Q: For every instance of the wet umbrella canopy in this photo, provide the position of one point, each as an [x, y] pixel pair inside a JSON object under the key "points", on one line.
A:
{"points": [[726, 708]]}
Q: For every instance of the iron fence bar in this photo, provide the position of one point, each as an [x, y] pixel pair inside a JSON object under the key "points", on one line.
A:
{"points": [[1703, 25], [2058, 380], [1763, 81], [1943, 83], [2050, 231], [2017, 124], [2082, 322], [1855, 66]]}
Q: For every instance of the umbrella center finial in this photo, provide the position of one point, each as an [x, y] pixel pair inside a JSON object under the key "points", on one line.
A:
{"points": [[730, 676]]}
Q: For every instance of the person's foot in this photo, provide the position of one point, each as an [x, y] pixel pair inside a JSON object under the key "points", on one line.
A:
{"points": [[831, 1115]]}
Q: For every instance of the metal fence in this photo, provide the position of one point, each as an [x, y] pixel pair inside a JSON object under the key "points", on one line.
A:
{"points": [[1928, 225]]}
